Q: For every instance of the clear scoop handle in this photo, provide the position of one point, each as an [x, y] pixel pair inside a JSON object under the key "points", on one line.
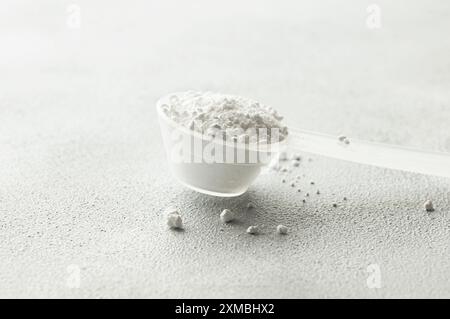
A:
{"points": [[376, 154]]}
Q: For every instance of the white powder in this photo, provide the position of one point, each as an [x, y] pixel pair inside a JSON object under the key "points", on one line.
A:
{"points": [[282, 230], [226, 216], [344, 139], [252, 230], [428, 205], [174, 218], [228, 116]]}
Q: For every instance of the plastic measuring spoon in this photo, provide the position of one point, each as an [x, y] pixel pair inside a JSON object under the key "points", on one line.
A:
{"points": [[230, 178]]}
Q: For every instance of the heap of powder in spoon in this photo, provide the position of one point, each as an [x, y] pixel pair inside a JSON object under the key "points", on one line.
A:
{"points": [[229, 116]]}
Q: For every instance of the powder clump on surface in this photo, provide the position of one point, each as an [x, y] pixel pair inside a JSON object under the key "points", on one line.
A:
{"points": [[344, 139], [282, 230], [253, 230], [428, 205], [230, 116], [174, 219], [226, 216]]}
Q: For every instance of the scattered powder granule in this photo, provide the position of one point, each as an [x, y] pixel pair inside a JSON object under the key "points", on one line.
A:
{"points": [[304, 200], [312, 182], [284, 169], [428, 205], [295, 163], [292, 184], [252, 230], [334, 205], [282, 230], [345, 198], [307, 194], [226, 216], [318, 192], [296, 157], [174, 219], [343, 139], [299, 190], [283, 180]]}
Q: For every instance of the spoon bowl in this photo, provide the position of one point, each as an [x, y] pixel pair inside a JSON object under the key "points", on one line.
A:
{"points": [[211, 166]]}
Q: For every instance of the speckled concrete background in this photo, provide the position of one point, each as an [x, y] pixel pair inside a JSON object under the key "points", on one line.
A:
{"points": [[84, 181]]}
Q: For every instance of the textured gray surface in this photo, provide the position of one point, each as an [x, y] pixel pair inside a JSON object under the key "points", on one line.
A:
{"points": [[83, 177]]}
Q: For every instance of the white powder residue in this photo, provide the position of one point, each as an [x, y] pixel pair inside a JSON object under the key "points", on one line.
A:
{"points": [[282, 230], [253, 230], [174, 219], [226, 216], [344, 139], [219, 115], [428, 205]]}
